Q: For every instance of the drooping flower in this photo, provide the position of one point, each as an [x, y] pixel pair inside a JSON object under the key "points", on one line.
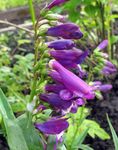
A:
{"points": [[61, 44], [55, 75], [66, 31], [66, 94], [55, 88], [53, 126], [54, 100], [56, 3], [69, 58], [72, 82]]}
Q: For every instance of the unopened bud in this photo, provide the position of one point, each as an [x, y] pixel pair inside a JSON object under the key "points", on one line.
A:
{"points": [[43, 29]]}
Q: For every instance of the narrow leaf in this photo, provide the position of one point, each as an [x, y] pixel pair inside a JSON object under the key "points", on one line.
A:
{"points": [[114, 135]]}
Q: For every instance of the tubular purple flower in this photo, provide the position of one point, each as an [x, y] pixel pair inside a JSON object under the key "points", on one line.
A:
{"points": [[55, 75], [55, 88], [105, 88], [102, 45], [82, 57], [72, 82], [56, 3], [54, 100], [66, 31], [61, 44], [53, 126], [67, 63], [63, 54], [66, 94], [73, 57]]}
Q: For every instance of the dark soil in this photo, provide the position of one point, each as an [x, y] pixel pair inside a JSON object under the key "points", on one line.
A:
{"points": [[100, 108]]}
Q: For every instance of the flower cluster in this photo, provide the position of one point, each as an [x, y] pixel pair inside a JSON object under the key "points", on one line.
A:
{"points": [[107, 67], [68, 90]]}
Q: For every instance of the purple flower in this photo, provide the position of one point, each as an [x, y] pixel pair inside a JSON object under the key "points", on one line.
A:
{"points": [[102, 45], [72, 82], [108, 71], [61, 44], [56, 3], [66, 31], [74, 108], [66, 54], [109, 64], [105, 88], [53, 126], [55, 75], [69, 58], [97, 85], [54, 100], [55, 88], [82, 57]]}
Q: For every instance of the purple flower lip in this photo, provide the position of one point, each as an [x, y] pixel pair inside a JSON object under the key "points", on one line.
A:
{"points": [[61, 44], [56, 3], [55, 76], [55, 88], [80, 102], [102, 45], [72, 82], [66, 95], [55, 100], [66, 31], [53, 126]]}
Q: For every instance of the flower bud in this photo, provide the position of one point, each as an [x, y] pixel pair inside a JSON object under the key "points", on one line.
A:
{"points": [[56, 3]]}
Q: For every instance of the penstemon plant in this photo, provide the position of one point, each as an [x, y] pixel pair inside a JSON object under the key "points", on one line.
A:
{"points": [[64, 79]]}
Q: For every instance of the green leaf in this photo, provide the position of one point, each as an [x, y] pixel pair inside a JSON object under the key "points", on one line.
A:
{"points": [[92, 10], [5, 107], [114, 135], [31, 135], [114, 39], [15, 136], [79, 140], [95, 129]]}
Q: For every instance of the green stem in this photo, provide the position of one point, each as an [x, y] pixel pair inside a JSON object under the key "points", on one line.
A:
{"points": [[77, 127], [32, 11], [108, 22]]}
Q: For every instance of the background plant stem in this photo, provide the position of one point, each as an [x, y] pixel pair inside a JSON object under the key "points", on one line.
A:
{"points": [[32, 11]]}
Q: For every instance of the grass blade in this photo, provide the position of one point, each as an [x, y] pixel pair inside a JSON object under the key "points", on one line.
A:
{"points": [[114, 135]]}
